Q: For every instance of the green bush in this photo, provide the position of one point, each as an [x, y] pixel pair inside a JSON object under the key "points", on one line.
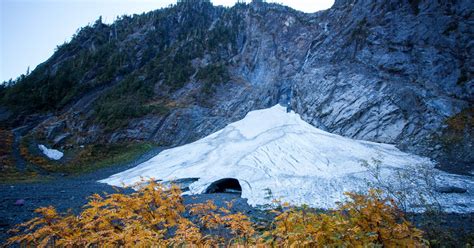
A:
{"points": [[126, 101], [213, 75]]}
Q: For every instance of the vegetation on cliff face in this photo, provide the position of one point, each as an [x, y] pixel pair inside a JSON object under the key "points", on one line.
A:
{"points": [[156, 216], [463, 121], [135, 59], [66, 76], [456, 140], [459, 127], [125, 101], [212, 75]]}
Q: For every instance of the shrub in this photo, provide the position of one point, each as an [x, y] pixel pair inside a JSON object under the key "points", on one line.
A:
{"points": [[126, 101], [155, 216], [362, 221], [212, 75], [461, 121]]}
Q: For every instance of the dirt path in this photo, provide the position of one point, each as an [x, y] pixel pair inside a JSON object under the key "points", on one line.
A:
{"points": [[20, 162]]}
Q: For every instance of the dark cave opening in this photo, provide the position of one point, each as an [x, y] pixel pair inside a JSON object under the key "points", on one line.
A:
{"points": [[225, 185]]}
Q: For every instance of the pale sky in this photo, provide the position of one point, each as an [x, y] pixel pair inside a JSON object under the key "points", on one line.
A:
{"points": [[31, 29]]}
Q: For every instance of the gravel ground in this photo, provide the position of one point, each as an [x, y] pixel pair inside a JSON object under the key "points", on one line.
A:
{"points": [[66, 193], [61, 192]]}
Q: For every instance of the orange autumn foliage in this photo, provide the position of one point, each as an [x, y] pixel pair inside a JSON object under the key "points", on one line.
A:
{"points": [[155, 216], [363, 221]]}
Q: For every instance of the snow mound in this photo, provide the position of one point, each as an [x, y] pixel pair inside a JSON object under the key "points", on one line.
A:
{"points": [[51, 153], [275, 154]]}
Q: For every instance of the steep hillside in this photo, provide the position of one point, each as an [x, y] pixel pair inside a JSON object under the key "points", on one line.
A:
{"points": [[391, 71]]}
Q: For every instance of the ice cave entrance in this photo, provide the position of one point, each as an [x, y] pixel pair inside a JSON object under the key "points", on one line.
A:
{"points": [[225, 185]]}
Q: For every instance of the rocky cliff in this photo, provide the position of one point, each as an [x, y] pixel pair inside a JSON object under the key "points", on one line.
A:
{"points": [[394, 71]]}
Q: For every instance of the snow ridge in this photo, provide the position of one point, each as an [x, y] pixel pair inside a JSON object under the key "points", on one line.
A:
{"points": [[51, 153], [271, 150]]}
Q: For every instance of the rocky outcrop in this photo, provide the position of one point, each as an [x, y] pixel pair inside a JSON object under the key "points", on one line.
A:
{"points": [[389, 71]]}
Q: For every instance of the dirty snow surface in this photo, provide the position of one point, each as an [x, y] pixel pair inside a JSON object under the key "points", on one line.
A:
{"points": [[51, 153], [276, 155]]}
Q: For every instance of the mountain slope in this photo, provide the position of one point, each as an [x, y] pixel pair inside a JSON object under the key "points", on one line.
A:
{"points": [[274, 151], [393, 71]]}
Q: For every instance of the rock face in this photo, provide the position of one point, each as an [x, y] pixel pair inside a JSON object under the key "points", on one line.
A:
{"points": [[390, 71]]}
